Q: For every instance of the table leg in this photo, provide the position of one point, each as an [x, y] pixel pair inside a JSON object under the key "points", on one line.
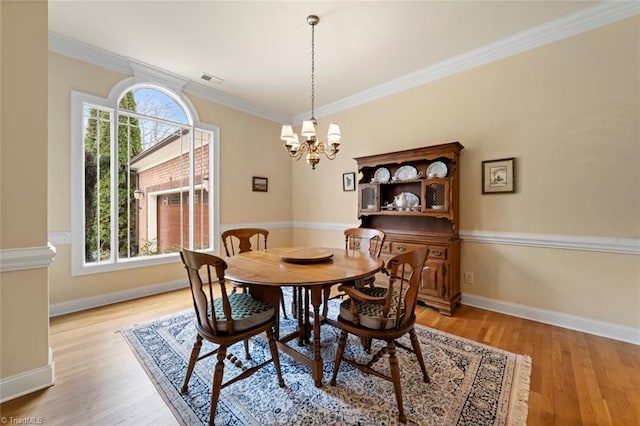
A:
{"points": [[301, 327], [307, 321], [316, 301], [294, 302]]}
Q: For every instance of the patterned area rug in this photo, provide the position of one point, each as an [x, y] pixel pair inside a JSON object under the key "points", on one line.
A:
{"points": [[471, 383]]}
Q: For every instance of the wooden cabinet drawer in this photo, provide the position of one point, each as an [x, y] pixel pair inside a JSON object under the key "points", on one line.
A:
{"points": [[437, 252], [386, 248], [399, 248]]}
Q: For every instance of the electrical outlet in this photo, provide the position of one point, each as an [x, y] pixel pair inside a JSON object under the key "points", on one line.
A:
{"points": [[468, 277]]}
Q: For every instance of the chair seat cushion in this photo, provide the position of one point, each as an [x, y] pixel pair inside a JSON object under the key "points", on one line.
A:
{"points": [[370, 314], [247, 312]]}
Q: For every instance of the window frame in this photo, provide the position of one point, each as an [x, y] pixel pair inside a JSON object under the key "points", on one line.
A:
{"points": [[78, 101]]}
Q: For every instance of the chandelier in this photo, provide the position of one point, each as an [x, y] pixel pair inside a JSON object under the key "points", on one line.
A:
{"points": [[311, 145]]}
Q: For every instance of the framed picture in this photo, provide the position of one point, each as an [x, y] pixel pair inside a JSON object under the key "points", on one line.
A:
{"points": [[260, 184], [349, 181], [498, 176]]}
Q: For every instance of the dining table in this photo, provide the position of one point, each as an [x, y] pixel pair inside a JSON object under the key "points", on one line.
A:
{"points": [[309, 270]]}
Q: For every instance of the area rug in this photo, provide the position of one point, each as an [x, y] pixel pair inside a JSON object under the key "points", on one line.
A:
{"points": [[471, 383]]}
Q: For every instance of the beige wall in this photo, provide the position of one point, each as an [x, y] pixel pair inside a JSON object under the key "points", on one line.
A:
{"points": [[244, 152], [24, 324], [569, 113]]}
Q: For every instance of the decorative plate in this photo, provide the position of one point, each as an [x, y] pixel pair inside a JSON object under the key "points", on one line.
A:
{"points": [[382, 175], [412, 200], [406, 173], [437, 169]]}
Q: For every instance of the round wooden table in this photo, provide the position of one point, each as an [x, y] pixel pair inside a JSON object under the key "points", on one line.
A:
{"points": [[313, 268]]}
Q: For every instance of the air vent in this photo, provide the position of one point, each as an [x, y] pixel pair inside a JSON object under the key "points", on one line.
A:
{"points": [[211, 78]]}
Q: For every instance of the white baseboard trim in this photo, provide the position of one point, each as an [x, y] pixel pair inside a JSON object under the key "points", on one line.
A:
{"points": [[56, 309], [18, 259], [572, 322], [27, 382]]}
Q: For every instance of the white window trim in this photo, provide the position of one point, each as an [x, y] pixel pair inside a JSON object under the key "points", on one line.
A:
{"points": [[78, 266]]}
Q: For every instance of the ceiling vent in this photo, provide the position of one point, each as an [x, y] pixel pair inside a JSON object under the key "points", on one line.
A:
{"points": [[211, 78]]}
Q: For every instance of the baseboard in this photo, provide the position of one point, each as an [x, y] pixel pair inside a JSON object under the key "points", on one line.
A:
{"points": [[27, 382], [572, 322], [56, 309]]}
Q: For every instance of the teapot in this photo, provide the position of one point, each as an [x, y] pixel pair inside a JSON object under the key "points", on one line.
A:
{"points": [[401, 201]]}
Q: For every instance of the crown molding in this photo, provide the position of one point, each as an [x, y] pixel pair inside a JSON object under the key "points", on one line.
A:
{"points": [[549, 32], [144, 72], [558, 29], [87, 53], [225, 99]]}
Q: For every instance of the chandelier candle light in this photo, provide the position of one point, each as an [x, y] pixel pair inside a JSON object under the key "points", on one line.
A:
{"points": [[312, 146]]}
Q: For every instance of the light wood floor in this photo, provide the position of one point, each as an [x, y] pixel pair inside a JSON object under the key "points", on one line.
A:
{"points": [[577, 379]]}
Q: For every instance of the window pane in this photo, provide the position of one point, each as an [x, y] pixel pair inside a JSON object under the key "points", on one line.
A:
{"points": [[201, 200], [97, 184], [144, 185], [129, 146]]}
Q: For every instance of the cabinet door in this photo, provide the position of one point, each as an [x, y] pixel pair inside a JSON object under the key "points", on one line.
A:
{"points": [[433, 278], [436, 195], [369, 200]]}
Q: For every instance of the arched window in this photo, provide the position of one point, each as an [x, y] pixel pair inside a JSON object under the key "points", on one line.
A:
{"points": [[147, 180]]}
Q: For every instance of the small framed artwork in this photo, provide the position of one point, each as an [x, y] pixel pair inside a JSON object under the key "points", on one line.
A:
{"points": [[260, 184], [498, 176], [349, 181]]}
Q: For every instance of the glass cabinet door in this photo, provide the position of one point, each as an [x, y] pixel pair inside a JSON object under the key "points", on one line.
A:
{"points": [[436, 195], [369, 197]]}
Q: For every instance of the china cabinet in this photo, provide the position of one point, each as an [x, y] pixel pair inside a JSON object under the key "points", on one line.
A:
{"points": [[412, 196]]}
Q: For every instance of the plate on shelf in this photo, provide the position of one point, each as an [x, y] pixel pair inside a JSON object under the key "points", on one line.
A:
{"points": [[406, 173], [412, 200], [437, 169], [382, 175]]}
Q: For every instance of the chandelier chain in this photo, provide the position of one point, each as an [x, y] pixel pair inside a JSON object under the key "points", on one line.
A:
{"points": [[313, 67], [311, 147]]}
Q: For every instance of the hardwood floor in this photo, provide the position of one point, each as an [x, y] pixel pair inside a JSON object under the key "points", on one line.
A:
{"points": [[577, 378]]}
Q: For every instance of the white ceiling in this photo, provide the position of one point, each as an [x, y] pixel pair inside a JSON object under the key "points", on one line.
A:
{"points": [[262, 50]]}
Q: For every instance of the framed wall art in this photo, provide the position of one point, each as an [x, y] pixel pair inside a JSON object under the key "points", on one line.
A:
{"points": [[498, 176], [260, 184], [349, 181]]}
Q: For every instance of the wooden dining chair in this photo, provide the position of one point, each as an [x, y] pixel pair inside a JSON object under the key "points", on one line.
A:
{"points": [[368, 240], [241, 240], [224, 321], [385, 314]]}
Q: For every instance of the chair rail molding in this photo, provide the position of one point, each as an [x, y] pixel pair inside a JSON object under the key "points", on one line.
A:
{"points": [[568, 242], [17, 259]]}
